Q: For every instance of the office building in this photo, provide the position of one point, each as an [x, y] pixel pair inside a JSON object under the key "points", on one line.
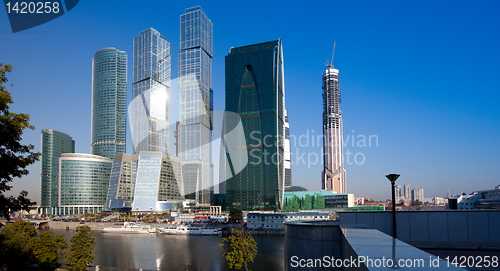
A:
{"points": [[196, 104], [418, 194], [122, 182], [149, 109], [287, 152], [83, 183], [158, 186], [54, 143], [334, 175], [255, 91], [109, 102], [398, 191], [407, 191]]}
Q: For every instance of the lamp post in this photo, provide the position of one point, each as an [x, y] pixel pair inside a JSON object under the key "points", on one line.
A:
{"points": [[393, 178]]}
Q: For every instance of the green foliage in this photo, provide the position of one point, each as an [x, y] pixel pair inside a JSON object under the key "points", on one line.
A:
{"points": [[235, 216], [14, 157], [16, 252], [82, 244], [416, 203], [241, 249], [21, 247], [49, 248]]}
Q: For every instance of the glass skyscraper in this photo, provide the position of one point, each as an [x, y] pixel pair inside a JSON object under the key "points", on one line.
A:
{"points": [[148, 110], [83, 183], [334, 175], [109, 102], [54, 144], [255, 91], [196, 104]]}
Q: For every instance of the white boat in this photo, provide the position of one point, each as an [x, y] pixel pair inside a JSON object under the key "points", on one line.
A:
{"points": [[129, 227], [189, 230]]}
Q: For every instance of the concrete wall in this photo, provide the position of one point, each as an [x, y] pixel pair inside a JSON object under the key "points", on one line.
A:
{"points": [[473, 227], [311, 240]]}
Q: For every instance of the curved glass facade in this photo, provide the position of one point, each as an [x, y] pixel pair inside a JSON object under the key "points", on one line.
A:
{"points": [[83, 182], [109, 102]]}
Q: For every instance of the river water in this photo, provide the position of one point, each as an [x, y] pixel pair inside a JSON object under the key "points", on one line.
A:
{"points": [[177, 252]]}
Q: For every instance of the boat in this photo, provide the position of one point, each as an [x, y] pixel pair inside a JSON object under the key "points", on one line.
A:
{"points": [[129, 227], [189, 230]]}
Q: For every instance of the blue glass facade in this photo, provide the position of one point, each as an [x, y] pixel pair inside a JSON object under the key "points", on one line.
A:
{"points": [[54, 143], [109, 102], [255, 91], [148, 110], [83, 182], [196, 104], [158, 185], [122, 182]]}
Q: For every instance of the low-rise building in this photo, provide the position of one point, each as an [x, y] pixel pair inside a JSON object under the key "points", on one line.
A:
{"points": [[275, 221]]}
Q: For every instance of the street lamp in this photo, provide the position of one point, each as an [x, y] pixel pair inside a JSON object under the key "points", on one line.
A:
{"points": [[393, 178]]}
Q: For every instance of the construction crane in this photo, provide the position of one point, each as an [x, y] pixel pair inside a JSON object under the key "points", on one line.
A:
{"points": [[330, 64]]}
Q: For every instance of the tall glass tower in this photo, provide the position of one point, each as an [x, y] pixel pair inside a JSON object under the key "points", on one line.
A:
{"points": [[150, 93], [196, 104], [255, 91], [54, 144], [334, 175], [109, 102]]}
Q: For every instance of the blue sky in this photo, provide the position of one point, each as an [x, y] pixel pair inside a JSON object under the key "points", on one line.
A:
{"points": [[419, 76]]}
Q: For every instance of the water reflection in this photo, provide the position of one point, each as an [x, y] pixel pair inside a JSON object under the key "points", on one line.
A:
{"points": [[177, 252]]}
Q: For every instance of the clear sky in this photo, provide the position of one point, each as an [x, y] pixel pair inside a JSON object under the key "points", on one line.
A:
{"points": [[420, 77]]}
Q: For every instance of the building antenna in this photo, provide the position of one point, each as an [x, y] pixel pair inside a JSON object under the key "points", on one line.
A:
{"points": [[330, 64]]}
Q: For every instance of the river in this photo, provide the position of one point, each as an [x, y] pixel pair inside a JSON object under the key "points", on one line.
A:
{"points": [[177, 252]]}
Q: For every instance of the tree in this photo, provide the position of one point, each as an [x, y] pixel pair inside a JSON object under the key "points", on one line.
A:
{"points": [[16, 250], [235, 216], [241, 248], [49, 248], [82, 244], [14, 156]]}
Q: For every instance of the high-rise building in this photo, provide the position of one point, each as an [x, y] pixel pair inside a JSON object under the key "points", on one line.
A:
{"points": [[149, 109], [399, 192], [54, 144], [122, 182], [196, 104], [407, 191], [255, 91], [334, 175], [109, 102], [288, 162], [158, 185], [418, 194], [83, 183]]}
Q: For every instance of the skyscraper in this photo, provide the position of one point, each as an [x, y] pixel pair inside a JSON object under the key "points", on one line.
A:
{"points": [[54, 144], [288, 162], [255, 91], [334, 175], [196, 104], [150, 93], [109, 102]]}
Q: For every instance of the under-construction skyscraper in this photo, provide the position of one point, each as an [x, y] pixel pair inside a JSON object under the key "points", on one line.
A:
{"points": [[333, 157]]}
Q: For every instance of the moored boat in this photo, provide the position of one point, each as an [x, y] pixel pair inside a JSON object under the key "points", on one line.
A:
{"points": [[189, 230], [129, 227]]}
